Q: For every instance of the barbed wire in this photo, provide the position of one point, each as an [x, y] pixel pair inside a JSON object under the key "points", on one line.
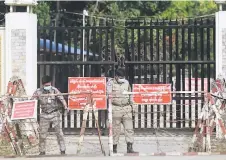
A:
{"points": [[107, 94], [142, 121], [155, 121], [160, 117], [146, 17]]}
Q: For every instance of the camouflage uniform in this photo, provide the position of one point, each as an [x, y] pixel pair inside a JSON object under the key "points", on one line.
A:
{"points": [[50, 114], [121, 113]]}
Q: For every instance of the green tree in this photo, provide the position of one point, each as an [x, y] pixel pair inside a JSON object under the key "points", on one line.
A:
{"points": [[43, 13], [184, 9]]}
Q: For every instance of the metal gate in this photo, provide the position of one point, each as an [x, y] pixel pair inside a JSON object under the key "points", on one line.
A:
{"points": [[63, 52], [178, 52]]}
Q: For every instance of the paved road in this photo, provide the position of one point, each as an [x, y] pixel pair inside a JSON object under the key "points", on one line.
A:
{"points": [[144, 145], [130, 158]]}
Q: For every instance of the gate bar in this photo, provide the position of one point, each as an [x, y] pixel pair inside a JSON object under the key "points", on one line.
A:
{"points": [[170, 62], [76, 62]]}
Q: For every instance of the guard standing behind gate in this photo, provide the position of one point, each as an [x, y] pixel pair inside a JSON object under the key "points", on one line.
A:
{"points": [[50, 113], [121, 109]]}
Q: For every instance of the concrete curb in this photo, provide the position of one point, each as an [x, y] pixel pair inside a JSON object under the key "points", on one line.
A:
{"points": [[128, 154], [176, 154]]}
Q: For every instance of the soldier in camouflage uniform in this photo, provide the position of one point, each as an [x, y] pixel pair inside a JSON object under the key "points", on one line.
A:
{"points": [[49, 113], [121, 109]]}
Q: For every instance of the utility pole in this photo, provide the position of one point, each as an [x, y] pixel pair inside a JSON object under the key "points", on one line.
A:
{"points": [[57, 18], [85, 13], [55, 34]]}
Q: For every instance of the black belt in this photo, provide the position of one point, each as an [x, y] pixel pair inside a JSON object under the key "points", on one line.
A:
{"points": [[55, 110]]}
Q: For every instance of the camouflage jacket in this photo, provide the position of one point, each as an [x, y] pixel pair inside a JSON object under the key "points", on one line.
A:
{"points": [[117, 89], [49, 103]]}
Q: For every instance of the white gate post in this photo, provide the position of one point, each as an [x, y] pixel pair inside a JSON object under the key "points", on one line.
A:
{"points": [[2, 61], [220, 25], [220, 42], [21, 44]]}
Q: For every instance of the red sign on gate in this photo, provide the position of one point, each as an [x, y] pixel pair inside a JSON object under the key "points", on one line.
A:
{"points": [[24, 110], [156, 94], [94, 85]]}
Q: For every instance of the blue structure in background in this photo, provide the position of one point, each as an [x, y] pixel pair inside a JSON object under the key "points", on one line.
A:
{"points": [[60, 48]]}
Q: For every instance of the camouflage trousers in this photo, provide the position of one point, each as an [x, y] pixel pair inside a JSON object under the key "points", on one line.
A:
{"points": [[45, 121], [122, 115]]}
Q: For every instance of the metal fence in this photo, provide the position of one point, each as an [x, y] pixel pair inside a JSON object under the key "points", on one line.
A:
{"points": [[181, 53]]}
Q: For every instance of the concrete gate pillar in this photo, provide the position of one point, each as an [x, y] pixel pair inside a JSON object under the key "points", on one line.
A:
{"points": [[220, 52], [220, 43], [21, 44]]}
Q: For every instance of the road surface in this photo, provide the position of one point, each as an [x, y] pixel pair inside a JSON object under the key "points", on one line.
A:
{"points": [[219, 157], [145, 145], [91, 146]]}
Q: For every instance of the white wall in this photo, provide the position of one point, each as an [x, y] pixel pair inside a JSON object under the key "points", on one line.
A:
{"points": [[21, 48], [220, 51], [220, 43], [2, 62]]}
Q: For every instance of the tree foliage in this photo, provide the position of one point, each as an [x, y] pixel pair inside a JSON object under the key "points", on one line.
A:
{"points": [[122, 10], [185, 9], [43, 12], [158, 9]]}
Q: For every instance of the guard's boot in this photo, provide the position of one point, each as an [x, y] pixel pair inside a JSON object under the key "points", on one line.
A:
{"points": [[115, 148], [102, 131], [62, 152], [42, 153], [130, 148]]}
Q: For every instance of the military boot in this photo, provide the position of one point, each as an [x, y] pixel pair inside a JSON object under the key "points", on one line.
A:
{"points": [[115, 148], [42, 153], [62, 152], [130, 148]]}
